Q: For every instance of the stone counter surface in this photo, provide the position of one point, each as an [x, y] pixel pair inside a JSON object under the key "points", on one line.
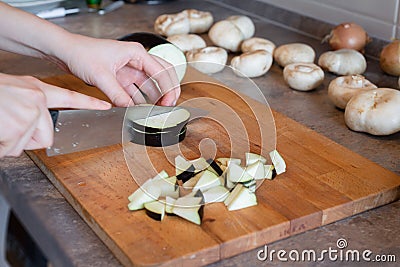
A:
{"points": [[68, 241]]}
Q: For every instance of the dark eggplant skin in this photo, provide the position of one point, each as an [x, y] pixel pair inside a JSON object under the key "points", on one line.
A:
{"points": [[156, 139], [154, 215], [147, 39], [146, 129], [186, 174], [273, 173], [199, 193], [201, 212], [215, 166]]}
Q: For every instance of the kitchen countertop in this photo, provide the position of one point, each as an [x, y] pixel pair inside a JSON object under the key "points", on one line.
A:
{"points": [[66, 239]]}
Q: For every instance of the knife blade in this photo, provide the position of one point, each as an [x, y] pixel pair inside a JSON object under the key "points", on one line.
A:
{"points": [[79, 130]]}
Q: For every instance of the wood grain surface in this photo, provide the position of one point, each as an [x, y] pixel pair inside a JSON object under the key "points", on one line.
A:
{"points": [[324, 182]]}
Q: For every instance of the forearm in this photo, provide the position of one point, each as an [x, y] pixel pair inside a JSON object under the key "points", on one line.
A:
{"points": [[27, 34]]}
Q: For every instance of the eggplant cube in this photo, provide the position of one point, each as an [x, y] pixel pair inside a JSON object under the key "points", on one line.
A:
{"points": [[278, 162], [189, 208], [155, 210], [237, 174], [207, 180], [245, 198], [215, 194], [252, 158], [256, 170], [143, 195]]}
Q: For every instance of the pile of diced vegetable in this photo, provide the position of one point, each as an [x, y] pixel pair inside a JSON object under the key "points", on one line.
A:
{"points": [[200, 181]]}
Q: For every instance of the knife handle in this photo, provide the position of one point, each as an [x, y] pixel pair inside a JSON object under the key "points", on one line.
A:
{"points": [[54, 116]]}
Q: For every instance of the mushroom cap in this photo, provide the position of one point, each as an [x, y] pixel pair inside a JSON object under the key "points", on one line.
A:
{"points": [[343, 62], [303, 76], [187, 42], [244, 23], [227, 35], [375, 111], [257, 43], [294, 53], [208, 60], [171, 24], [200, 21], [343, 88], [252, 64]]}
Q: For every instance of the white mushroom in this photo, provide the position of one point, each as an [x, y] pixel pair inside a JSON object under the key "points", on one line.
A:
{"points": [[245, 24], [303, 76], [376, 111], [208, 60], [257, 43], [227, 35], [171, 24], [342, 89], [187, 42], [200, 21], [343, 62], [252, 64], [294, 53]]}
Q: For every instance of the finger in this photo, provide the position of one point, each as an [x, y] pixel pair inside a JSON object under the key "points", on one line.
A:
{"points": [[151, 89], [157, 71], [16, 147], [172, 94], [135, 93], [110, 86], [43, 134], [62, 98]]}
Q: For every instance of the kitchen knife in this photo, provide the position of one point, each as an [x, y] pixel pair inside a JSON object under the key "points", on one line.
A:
{"points": [[78, 130]]}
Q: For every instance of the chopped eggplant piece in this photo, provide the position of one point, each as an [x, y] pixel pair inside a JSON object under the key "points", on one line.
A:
{"points": [[207, 180], [142, 196], [256, 170], [227, 161], [187, 174], [270, 172], [215, 194], [200, 164], [189, 208], [155, 210], [168, 186], [190, 194], [229, 184], [237, 174], [188, 202], [181, 164], [232, 195], [249, 183], [189, 184], [278, 162], [199, 194], [245, 198], [169, 204], [143, 187], [252, 158], [215, 167]]}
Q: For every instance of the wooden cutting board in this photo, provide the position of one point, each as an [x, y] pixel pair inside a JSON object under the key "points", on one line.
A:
{"points": [[324, 182]]}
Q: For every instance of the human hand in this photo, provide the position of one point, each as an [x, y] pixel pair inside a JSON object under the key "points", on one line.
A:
{"points": [[116, 68], [25, 121]]}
